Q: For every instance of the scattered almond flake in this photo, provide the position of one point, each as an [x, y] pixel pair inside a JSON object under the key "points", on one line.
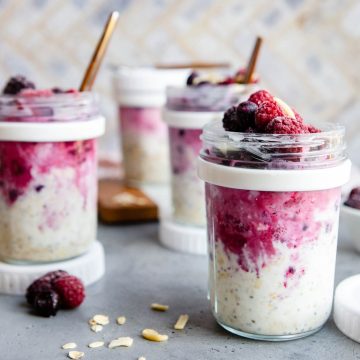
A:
{"points": [[121, 320], [96, 328], [92, 322], [76, 355], [70, 345], [181, 322], [121, 341], [153, 335], [101, 319], [96, 344], [142, 358], [159, 307]]}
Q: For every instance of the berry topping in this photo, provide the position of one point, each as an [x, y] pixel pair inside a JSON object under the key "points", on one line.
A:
{"points": [[190, 79], [246, 115], [260, 96], [16, 84], [46, 303], [37, 287], [230, 120], [266, 112], [286, 125], [297, 115], [312, 129], [54, 275], [354, 198], [71, 291]]}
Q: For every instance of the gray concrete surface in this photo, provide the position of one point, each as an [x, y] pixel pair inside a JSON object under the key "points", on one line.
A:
{"points": [[139, 272]]}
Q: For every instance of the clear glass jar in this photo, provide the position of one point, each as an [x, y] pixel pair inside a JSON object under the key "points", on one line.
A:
{"points": [[272, 215], [48, 176], [140, 94], [188, 109]]}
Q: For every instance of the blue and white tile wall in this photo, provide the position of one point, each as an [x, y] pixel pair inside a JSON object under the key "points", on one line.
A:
{"points": [[310, 57]]}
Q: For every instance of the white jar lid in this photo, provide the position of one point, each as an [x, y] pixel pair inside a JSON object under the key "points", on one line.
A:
{"points": [[183, 238], [52, 131], [274, 180], [145, 86], [190, 119], [347, 307]]}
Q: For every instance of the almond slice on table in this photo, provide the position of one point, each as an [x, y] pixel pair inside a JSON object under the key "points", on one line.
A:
{"points": [[76, 355], [121, 341], [96, 344], [141, 358], [96, 328], [181, 322], [70, 345], [153, 335], [159, 307], [121, 320], [101, 319]]}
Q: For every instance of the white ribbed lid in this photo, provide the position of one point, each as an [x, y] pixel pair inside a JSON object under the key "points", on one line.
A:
{"points": [[347, 307], [52, 131], [145, 86], [274, 180], [183, 238], [90, 267], [190, 119]]}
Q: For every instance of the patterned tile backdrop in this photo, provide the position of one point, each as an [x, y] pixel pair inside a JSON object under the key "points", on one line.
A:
{"points": [[310, 57]]}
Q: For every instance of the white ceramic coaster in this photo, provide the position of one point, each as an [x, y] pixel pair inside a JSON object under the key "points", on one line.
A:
{"points": [[90, 267]]}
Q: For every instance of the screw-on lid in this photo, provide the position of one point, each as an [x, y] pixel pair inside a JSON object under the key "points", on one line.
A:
{"points": [[145, 86], [347, 307]]}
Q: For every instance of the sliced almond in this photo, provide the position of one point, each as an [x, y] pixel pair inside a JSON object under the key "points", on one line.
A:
{"points": [[96, 344], [70, 345], [141, 358], [76, 355], [181, 322], [92, 322], [153, 335], [121, 341], [285, 107], [159, 307], [101, 319], [121, 320], [96, 328]]}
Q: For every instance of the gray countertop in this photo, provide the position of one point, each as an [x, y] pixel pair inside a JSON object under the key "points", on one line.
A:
{"points": [[140, 272]]}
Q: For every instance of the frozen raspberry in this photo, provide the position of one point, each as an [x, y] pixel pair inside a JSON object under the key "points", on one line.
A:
{"points": [[285, 125], [71, 291], [46, 303], [227, 81], [266, 112], [260, 96], [246, 115], [230, 120], [354, 198], [16, 84], [37, 287], [297, 115], [312, 129]]}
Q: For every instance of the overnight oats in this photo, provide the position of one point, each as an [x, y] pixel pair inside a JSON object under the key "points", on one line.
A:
{"points": [[273, 188], [187, 110], [140, 94], [48, 181]]}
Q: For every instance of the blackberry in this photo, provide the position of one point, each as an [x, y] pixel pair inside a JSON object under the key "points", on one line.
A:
{"points": [[190, 79], [230, 120], [16, 84], [246, 115], [37, 287], [46, 303]]}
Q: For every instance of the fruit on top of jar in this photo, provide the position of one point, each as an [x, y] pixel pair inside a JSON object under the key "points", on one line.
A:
{"points": [[354, 198], [53, 291], [20, 85], [198, 79], [265, 113]]}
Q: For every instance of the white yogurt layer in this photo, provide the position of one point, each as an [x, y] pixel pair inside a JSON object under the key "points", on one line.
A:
{"points": [[55, 223], [261, 304], [146, 158]]}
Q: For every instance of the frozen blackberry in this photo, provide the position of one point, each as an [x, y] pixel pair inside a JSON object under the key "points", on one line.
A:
{"points": [[246, 115], [16, 84], [37, 287], [46, 303], [230, 120], [354, 198], [190, 79]]}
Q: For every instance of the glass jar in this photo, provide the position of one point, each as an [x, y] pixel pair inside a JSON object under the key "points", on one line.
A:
{"points": [[187, 110], [48, 178], [272, 215], [140, 94]]}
